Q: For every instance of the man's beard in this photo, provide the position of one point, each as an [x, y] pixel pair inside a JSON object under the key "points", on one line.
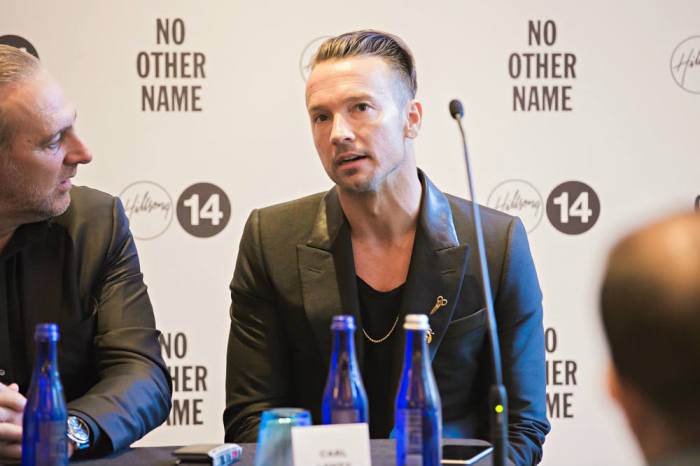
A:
{"points": [[25, 201]]}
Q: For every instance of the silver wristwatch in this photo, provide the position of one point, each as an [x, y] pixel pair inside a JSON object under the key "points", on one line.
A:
{"points": [[78, 433]]}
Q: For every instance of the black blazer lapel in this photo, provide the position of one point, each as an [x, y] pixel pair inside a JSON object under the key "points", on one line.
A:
{"points": [[320, 293], [438, 263], [327, 272]]}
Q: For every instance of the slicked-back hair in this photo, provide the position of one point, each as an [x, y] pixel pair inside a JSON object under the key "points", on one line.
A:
{"points": [[650, 308], [15, 65], [372, 43]]}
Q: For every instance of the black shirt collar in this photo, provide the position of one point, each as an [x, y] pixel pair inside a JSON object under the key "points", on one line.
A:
{"points": [[24, 235]]}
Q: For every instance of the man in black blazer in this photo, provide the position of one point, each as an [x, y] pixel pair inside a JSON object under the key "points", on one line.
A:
{"points": [[67, 256], [383, 243]]}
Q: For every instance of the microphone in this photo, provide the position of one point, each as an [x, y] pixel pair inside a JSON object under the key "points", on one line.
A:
{"points": [[498, 400], [456, 109]]}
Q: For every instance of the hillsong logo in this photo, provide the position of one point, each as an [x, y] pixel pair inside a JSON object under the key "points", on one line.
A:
{"points": [[172, 71], [20, 43], [149, 208], [308, 54], [538, 68], [685, 64], [518, 198]]}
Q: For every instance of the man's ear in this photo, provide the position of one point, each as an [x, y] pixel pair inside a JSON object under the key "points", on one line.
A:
{"points": [[414, 119], [654, 434], [626, 397], [613, 383]]}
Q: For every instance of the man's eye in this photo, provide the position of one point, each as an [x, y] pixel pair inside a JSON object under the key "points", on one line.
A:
{"points": [[320, 118], [55, 142], [362, 107]]}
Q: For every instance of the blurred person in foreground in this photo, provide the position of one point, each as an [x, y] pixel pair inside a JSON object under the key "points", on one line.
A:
{"points": [[650, 305], [382, 243], [67, 256]]}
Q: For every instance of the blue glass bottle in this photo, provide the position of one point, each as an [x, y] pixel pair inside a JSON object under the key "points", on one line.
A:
{"points": [[418, 413], [344, 399], [44, 428]]}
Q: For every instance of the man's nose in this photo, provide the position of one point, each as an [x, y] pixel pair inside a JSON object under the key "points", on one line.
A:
{"points": [[76, 150], [341, 131]]}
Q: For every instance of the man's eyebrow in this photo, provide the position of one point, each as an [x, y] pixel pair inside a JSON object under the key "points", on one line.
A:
{"points": [[352, 98], [356, 97], [316, 108]]}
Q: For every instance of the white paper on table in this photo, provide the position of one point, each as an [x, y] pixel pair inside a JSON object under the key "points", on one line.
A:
{"points": [[331, 445]]}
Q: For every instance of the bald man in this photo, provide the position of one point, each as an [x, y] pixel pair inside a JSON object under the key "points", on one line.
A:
{"points": [[67, 256], [650, 303]]}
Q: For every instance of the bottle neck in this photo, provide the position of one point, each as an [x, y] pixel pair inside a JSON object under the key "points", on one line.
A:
{"points": [[416, 349], [344, 348], [46, 354]]}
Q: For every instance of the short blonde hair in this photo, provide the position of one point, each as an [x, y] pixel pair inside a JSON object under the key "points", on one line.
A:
{"points": [[373, 43], [15, 65]]}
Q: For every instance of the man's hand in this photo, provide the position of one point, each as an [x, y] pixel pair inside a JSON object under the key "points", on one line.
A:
{"points": [[11, 409]]}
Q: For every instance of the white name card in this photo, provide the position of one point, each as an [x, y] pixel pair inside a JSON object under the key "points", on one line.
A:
{"points": [[331, 445]]}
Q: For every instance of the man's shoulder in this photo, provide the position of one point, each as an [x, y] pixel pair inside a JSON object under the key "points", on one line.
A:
{"points": [[294, 214], [277, 229], [83, 197], [88, 208], [287, 222], [301, 205], [463, 215], [88, 227]]}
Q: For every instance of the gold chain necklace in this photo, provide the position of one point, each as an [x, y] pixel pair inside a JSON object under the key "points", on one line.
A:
{"points": [[428, 335], [396, 321]]}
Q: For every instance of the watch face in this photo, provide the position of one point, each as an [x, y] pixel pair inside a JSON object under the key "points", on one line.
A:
{"points": [[78, 430]]}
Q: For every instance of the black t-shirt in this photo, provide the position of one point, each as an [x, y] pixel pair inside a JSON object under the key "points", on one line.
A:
{"points": [[16, 340], [379, 311]]}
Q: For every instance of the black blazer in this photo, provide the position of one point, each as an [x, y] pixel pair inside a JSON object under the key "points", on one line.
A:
{"points": [[295, 270], [81, 270]]}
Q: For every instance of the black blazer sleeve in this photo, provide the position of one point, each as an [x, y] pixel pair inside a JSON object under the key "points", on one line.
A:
{"points": [[257, 375], [518, 306], [132, 394]]}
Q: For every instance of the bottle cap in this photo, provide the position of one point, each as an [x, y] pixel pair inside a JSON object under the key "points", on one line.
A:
{"points": [[46, 332], [416, 322], [343, 322]]}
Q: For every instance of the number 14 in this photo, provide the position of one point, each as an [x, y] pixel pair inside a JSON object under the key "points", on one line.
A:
{"points": [[579, 208], [209, 210]]}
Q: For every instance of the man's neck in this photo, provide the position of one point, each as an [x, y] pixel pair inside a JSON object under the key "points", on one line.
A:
{"points": [[382, 229], [658, 445], [8, 226], [388, 213], [5, 237], [657, 437]]}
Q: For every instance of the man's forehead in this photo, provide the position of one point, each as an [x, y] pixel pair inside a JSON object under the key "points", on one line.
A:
{"points": [[347, 74], [37, 101]]}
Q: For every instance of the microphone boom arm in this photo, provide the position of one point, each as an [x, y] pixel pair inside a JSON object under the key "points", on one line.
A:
{"points": [[498, 400]]}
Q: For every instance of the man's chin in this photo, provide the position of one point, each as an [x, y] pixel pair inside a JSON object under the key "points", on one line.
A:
{"points": [[358, 187], [58, 205], [356, 184]]}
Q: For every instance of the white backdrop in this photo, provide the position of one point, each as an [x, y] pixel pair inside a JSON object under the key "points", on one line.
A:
{"points": [[627, 130]]}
